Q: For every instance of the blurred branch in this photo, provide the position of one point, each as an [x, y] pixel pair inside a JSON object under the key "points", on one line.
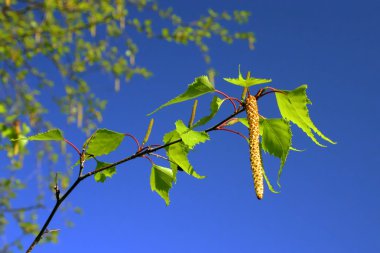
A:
{"points": [[22, 209]]}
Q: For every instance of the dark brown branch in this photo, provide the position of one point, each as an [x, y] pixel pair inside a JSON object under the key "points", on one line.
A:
{"points": [[80, 178], [51, 215]]}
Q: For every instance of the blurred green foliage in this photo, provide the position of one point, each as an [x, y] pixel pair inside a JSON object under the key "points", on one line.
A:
{"points": [[73, 38]]}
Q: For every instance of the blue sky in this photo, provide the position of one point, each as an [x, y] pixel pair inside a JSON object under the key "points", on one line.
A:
{"points": [[329, 200]]}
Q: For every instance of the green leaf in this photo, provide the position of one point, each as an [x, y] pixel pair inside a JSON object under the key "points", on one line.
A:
{"points": [[102, 176], [293, 107], [190, 137], [214, 107], [161, 180], [199, 87], [103, 141], [177, 154], [240, 81], [51, 135], [276, 139]]}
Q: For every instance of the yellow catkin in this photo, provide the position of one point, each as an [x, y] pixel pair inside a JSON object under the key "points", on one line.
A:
{"points": [[254, 145]]}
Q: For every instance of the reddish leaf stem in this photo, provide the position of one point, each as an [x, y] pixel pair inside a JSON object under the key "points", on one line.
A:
{"points": [[72, 145], [149, 159], [262, 93], [231, 99], [136, 141], [235, 132]]}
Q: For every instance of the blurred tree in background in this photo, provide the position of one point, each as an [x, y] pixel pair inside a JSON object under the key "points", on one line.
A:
{"points": [[75, 38]]}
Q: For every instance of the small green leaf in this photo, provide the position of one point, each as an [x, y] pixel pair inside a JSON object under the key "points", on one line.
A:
{"points": [[161, 180], [199, 87], [293, 107], [190, 137], [276, 139], [240, 81], [102, 176], [51, 135], [3, 109], [29, 227], [103, 141], [177, 154], [214, 107]]}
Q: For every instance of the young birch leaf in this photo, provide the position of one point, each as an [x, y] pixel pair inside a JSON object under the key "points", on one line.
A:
{"points": [[190, 137], [199, 87], [51, 135], [161, 180], [177, 154], [276, 139], [240, 81], [293, 107], [214, 107], [102, 176], [103, 141]]}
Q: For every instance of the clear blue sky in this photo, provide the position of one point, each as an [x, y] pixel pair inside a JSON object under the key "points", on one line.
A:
{"points": [[329, 200]]}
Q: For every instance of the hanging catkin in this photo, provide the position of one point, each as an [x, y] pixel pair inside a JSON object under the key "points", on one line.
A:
{"points": [[254, 145]]}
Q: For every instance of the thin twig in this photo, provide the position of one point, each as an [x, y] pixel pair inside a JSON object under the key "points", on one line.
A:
{"points": [[22, 209]]}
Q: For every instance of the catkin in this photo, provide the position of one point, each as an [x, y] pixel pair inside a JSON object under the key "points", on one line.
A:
{"points": [[254, 145]]}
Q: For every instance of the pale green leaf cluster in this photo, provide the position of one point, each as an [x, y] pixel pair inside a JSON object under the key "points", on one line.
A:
{"points": [[101, 142], [162, 178], [276, 138], [178, 155], [185, 140], [276, 135]]}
